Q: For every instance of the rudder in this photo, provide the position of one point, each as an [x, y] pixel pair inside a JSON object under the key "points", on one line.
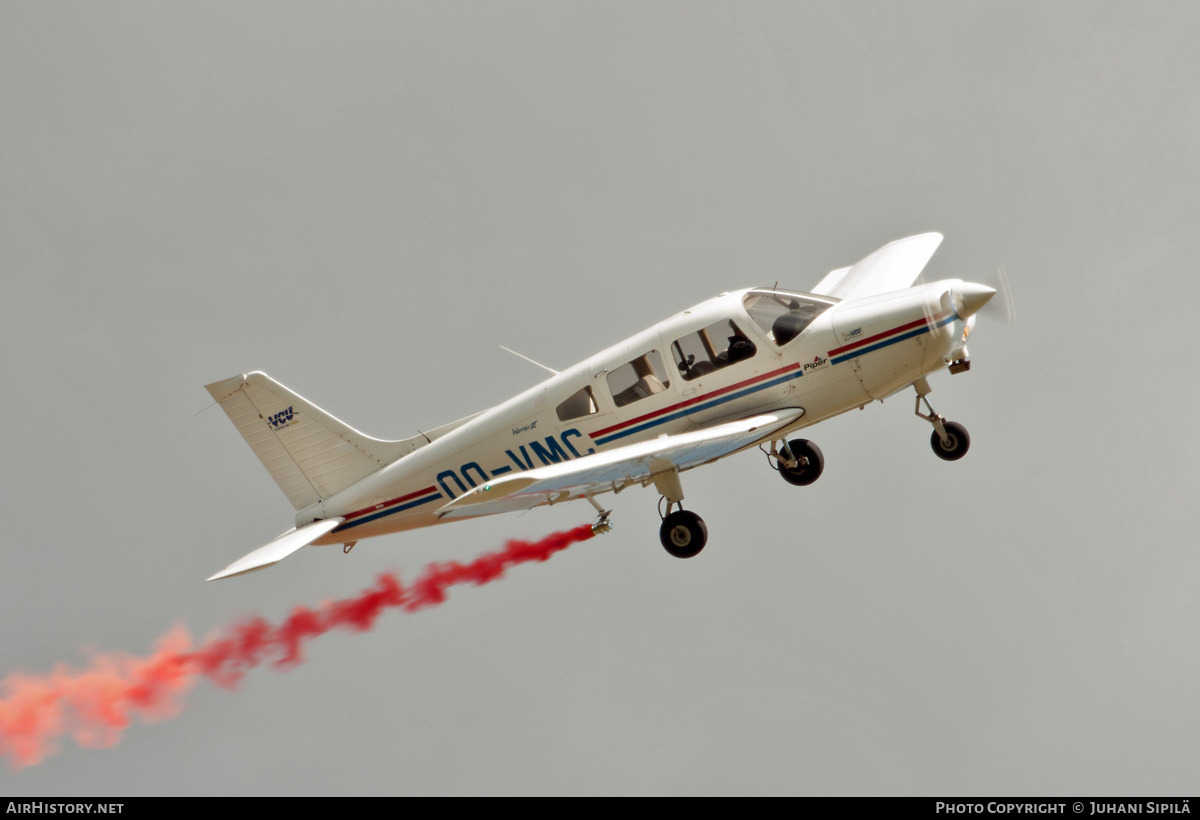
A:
{"points": [[310, 454]]}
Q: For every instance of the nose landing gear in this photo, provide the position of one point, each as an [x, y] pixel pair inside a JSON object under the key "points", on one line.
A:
{"points": [[952, 443], [949, 441]]}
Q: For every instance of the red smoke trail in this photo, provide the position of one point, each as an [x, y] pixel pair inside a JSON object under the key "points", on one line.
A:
{"points": [[97, 704]]}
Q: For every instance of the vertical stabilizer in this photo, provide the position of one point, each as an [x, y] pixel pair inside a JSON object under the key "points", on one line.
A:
{"points": [[310, 454]]}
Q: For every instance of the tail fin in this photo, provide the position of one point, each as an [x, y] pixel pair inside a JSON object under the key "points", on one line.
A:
{"points": [[310, 454]]}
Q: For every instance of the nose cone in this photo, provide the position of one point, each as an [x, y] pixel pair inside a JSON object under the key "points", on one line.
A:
{"points": [[971, 297]]}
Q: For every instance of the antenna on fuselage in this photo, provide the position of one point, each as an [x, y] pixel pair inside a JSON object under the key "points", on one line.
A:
{"points": [[531, 361]]}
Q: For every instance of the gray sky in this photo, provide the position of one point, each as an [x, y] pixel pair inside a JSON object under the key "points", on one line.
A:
{"points": [[365, 199]]}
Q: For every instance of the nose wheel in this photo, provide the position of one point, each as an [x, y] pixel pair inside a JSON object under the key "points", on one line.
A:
{"points": [[949, 441]]}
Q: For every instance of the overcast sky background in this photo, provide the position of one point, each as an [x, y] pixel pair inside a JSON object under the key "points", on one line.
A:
{"points": [[365, 199]]}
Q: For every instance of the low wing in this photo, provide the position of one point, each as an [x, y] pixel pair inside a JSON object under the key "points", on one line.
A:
{"points": [[280, 548], [616, 469], [895, 266]]}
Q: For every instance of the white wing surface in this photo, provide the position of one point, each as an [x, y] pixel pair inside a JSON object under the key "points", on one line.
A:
{"points": [[895, 266], [614, 470]]}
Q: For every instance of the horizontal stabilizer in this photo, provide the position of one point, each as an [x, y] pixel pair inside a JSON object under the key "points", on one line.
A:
{"points": [[280, 548]]}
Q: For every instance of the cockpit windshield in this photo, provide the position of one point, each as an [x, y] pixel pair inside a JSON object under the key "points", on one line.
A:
{"points": [[783, 315]]}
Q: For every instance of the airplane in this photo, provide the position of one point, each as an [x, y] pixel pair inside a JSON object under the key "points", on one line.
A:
{"points": [[743, 369]]}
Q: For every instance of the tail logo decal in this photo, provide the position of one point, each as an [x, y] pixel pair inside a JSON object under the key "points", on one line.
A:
{"points": [[281, 419]]}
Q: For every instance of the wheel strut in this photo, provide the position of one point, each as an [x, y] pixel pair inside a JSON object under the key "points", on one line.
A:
{"points": [[949, 440], [936, 419]]}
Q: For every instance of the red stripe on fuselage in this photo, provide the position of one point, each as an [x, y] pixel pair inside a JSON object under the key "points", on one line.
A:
{"points": [[380, 506], [696, 400], [885, 334]]}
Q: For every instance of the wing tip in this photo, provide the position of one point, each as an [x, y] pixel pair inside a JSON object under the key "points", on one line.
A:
{"points": [[229, 572]]}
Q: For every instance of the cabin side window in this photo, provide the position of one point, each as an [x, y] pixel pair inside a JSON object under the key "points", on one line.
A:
{"points": [[718, 345], [638, 379], [581, 403], [783, 316]]}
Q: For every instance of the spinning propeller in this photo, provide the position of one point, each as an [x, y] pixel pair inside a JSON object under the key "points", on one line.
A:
{"points": [[991, 298], [1001, 307]]}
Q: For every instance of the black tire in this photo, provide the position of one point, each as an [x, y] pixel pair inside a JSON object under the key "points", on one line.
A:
{"points": [[803, 474], [959, 443], [683, 534]]}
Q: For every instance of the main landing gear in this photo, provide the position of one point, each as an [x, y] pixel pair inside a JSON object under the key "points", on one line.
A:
{"points": [[798, 461], [683, 533], [949, 441]]}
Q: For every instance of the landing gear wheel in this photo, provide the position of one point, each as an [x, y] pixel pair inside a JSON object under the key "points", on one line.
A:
{"points": [[683, 534], [956, 448], [803, 474]]}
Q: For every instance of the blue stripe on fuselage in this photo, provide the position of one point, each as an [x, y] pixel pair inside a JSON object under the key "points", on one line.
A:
{"points": [[886, 342], [703, 406], [392, 511]]}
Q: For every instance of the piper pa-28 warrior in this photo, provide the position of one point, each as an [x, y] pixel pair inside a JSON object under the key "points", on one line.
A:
{"points": [[744, 369]]}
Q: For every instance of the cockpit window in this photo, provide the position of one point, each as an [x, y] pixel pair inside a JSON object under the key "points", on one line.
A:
{"points": [[638, 379], [783, 316], [581, 403], [718, 345]]}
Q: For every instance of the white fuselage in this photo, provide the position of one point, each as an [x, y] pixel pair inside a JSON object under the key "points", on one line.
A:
{"points": [[850, 354]]}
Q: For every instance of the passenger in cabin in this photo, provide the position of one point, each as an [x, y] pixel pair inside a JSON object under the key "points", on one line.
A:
{"points": [[740, 348]]}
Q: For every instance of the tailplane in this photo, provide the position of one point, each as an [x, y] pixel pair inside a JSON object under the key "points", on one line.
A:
{"points": [[280, 548]]}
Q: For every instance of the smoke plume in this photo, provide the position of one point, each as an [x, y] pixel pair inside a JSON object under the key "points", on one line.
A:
{"points": [[97, 704]]}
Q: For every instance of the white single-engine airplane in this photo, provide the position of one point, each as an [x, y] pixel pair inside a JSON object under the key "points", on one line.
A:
{"points": [[746, 368]]}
